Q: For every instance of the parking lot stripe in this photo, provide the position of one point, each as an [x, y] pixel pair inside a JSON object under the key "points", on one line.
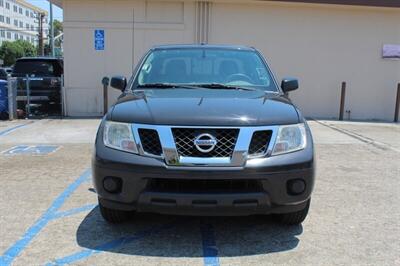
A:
{"points": [[12, 252], [9, 130], [358, 136], [210, 251], [111, 245], [63, 214]]}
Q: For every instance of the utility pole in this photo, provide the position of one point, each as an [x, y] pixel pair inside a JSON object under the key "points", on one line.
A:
{"points": [[41, 46], [51, 29]]}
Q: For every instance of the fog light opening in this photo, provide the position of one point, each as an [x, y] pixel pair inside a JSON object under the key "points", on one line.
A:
{"points": [[112, 184], [296, 187]]}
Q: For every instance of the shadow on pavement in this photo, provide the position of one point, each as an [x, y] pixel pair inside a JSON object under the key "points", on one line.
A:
{"points": [[181, 236]]}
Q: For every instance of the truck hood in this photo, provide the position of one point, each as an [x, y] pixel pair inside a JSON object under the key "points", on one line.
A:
{"points": [[204, 107]]}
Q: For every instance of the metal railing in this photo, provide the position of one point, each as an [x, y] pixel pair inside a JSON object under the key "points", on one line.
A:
{"points": [[36, 97]]}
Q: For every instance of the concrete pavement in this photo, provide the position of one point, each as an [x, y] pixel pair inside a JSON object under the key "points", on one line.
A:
{"points": [[49, 214]]}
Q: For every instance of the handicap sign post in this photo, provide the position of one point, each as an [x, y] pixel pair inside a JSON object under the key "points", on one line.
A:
{"points": [[99, 38]]}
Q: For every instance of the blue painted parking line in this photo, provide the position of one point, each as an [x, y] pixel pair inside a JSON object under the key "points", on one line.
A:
{"points": [[11, 253], [9, 130], [210, 250], [111, 245], [63, 214], [31, 150]]}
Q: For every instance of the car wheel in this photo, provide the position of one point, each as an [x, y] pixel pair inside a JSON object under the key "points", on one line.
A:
{"points": [[114, 216], [294, 218]]}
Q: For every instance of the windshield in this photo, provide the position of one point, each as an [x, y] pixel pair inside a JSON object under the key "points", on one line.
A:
{"points": [[202, 66], [35, 67]]}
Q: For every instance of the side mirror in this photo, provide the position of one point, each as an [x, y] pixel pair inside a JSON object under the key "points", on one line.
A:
{"points": [[289, 84], [118, 82]]}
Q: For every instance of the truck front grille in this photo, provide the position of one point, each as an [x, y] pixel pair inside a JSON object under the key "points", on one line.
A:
{"points": [[204, 186], [185, 137], [150, 141], [259, 142]]}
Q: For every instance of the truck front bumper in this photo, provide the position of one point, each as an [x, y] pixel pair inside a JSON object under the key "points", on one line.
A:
{"points": [[277, 184]]}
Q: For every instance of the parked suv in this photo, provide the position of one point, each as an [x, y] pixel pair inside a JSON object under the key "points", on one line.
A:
{"points": [[204, 130], [45, 82]]}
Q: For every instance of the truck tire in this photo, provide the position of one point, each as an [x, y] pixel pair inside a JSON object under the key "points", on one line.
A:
{"points": [[114, 216], [294, 218]]}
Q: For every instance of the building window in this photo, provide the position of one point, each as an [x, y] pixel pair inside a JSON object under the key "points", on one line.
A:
{"points": [[3, 34], [8, 20], [8, 35], [32, 28], [32, 16], [21, 24], [15, 22], [15, 36], [8, 6], [27, 26], [21, 37], [15, 8], [26, 12], [1, 2], [1, 18], [20, 10]]}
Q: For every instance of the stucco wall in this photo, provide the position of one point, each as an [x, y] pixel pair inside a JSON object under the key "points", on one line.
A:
{"points": [[322, 45], [155, 23]]}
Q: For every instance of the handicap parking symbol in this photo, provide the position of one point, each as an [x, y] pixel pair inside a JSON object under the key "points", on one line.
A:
{"points": [[31, 150], [99, 39]]}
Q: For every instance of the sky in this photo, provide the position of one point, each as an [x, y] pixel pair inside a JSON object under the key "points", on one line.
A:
{"points": [[44, 4]]}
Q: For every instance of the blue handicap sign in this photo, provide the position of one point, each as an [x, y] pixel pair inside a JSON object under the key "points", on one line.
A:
{"points": [[31, 149], [99, 38]]}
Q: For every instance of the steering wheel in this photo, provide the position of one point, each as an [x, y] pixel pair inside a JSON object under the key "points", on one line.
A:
{"points": [[239, 77]]}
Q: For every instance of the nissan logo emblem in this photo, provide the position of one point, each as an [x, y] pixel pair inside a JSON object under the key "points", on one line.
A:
{"points": [[205, 142]]}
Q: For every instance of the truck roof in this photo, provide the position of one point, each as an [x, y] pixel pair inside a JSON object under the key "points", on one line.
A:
{"points": [[41, 58]]}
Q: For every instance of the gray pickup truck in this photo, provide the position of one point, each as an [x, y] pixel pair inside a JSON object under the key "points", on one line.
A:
{"points": [[204, 130]]}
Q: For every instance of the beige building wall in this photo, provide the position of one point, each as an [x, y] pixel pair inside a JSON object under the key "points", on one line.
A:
{"points": [[322, 45], [131, 28]]}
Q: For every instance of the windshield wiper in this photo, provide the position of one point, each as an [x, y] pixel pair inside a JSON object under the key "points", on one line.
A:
{"points": [[193, 86], [223, 86], [166, 86]]}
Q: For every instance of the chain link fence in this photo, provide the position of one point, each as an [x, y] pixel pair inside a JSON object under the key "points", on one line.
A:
{"points": [[35, 97]]}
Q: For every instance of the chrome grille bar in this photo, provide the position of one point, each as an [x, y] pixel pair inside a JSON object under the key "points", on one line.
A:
{"points": [[172, 157]]}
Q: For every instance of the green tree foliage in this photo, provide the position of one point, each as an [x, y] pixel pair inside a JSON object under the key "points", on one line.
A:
{"points": [[58, 29], [29, 48], [11, 51]]}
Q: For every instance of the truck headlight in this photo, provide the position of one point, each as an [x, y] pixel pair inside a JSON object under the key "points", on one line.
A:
{"points": [[290, 138], [119, 136]]}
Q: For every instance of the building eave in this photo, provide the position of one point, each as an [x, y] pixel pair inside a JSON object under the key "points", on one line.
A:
{"points": [[58, 3], [30, 6], [373, 3]]}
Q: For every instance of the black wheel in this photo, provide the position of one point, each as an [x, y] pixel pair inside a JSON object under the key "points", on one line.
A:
{"points": [[114, 216], [294, 218]]}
